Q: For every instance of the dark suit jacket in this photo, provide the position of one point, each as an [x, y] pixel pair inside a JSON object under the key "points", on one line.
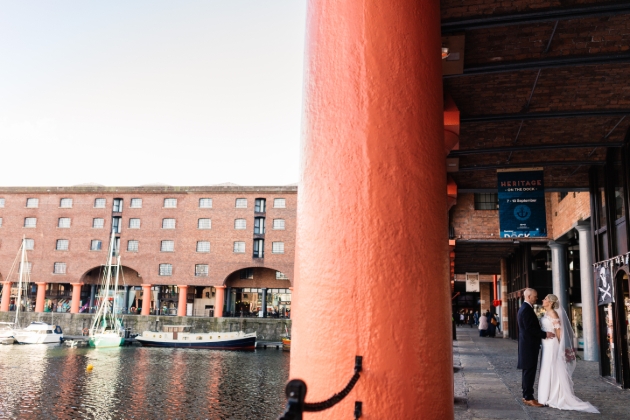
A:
{"points": [[529, 336]]}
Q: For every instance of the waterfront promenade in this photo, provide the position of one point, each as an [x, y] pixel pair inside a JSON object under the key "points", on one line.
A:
{"points": [[488, 385]]}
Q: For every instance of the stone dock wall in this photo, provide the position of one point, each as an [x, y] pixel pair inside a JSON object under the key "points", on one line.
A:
{"points": [[268, 329]]}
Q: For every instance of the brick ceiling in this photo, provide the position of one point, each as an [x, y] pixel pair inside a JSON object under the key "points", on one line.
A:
{"points": [[530, 91]]}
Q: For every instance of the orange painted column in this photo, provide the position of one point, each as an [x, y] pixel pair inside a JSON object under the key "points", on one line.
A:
{"points": [[146, 299], [181, 306], [41, 296], [219, 298], [76, 298], [6, 296], [373, 214]]}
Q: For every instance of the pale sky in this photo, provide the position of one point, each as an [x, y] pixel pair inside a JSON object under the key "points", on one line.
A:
{"points": [[131, 92]]}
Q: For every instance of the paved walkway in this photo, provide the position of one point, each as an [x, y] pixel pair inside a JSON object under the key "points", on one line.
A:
{"points": [[488, 385]]}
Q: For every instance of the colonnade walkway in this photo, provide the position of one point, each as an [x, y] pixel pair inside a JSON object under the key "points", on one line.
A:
{"points": [[488, 385]]}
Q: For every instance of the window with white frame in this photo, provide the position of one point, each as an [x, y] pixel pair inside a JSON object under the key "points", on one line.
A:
{"points": [[62, 244], [60, 268], [136, 203], [28, 267], [170, 203], [204, 224], [134, 223], [132, 246], [240, 224], [279, 203], [65, 203], [281, 276], [32, 203], [201, 270], [241, 203], [30, 222], [99, 203], [168, 223], [205, 203], [239, 247], [98, 223], [277, 247], [166, 269], [1, 202], [167, 246], [278, 224], [203, 246], [96, 245], [29, 244], [63, 222]]}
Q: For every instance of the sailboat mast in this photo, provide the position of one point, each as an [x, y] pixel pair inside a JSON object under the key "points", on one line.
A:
{"points": [[103, 301], [21, 275], [116, 285]]}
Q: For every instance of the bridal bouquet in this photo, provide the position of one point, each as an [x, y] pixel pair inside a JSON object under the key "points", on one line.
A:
{"points": [[569, 355]]}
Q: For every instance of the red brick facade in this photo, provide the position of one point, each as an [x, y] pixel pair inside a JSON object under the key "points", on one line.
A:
{"points": [[143, 265], [565, 213]]}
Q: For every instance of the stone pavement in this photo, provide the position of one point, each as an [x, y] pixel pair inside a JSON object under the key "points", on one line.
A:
{"points": [[488, 385]]}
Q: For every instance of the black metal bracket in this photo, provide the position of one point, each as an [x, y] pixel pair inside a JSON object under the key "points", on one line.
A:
{"points": [[296, 393]]}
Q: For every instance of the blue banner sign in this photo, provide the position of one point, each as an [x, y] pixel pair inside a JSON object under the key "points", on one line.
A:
{"points": [[522, 211]]}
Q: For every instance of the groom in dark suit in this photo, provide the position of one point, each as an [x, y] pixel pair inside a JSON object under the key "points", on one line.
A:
{"points": [[529, 336]]}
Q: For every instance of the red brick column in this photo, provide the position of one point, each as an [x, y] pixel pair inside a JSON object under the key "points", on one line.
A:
{"points": [[41, 296], [371, 264], [219, 298], [76, 298], [181, 306], [6, 296], [146, 299]]}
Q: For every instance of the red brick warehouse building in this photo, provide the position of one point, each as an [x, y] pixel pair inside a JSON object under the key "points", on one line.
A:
{"points": [[204, 251]]}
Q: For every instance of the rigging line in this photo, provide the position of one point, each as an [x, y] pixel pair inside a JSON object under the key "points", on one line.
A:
{"points": [[525, 109], [551, 37], [608, 135]]}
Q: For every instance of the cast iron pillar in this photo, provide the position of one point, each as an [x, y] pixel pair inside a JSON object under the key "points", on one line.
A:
{"points": [[372, 212], [559, 273], [589, 304], [264, 303]]}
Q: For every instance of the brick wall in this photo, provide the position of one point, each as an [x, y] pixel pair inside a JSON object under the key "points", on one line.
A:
{"points": [[573, 208], [144, 263]]}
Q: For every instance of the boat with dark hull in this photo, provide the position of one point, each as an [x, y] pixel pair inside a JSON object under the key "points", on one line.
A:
{"points": [[179, 336]]}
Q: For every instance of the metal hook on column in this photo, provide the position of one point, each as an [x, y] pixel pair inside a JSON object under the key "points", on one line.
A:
{"points": [[296, 393]]}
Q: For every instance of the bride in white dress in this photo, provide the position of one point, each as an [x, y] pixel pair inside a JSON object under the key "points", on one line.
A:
{"points": [[555, 387]]}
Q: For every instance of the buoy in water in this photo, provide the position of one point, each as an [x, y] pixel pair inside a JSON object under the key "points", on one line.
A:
{"points": [[89, 368]]}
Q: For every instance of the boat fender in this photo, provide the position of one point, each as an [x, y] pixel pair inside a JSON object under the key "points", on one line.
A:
{"points": [[89, 368]]}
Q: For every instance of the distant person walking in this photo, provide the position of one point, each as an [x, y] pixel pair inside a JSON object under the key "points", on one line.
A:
{"points": [[471, 319], [476, 318], [483, 326]]}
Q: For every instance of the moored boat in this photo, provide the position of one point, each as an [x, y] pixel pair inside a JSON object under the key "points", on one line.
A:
{"points": [[39, 333], [6, 330], [286, 343], [179, 336], [106, 329]]}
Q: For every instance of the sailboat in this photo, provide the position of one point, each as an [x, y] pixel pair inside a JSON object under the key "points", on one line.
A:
{"points": [[36, 332], [106, 329]]}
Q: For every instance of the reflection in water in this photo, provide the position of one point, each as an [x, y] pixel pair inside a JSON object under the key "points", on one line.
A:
{"points": [[144, 383]]}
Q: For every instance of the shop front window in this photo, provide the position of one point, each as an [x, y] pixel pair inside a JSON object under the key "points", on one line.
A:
{"points": [[248, 302], [609, 346]]}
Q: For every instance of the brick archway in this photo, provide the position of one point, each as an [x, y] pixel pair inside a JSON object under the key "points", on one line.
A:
{"points": [[130, 276]]}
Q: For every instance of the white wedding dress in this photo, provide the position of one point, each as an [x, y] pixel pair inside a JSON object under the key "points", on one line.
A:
{"points": [[555, 387]]}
